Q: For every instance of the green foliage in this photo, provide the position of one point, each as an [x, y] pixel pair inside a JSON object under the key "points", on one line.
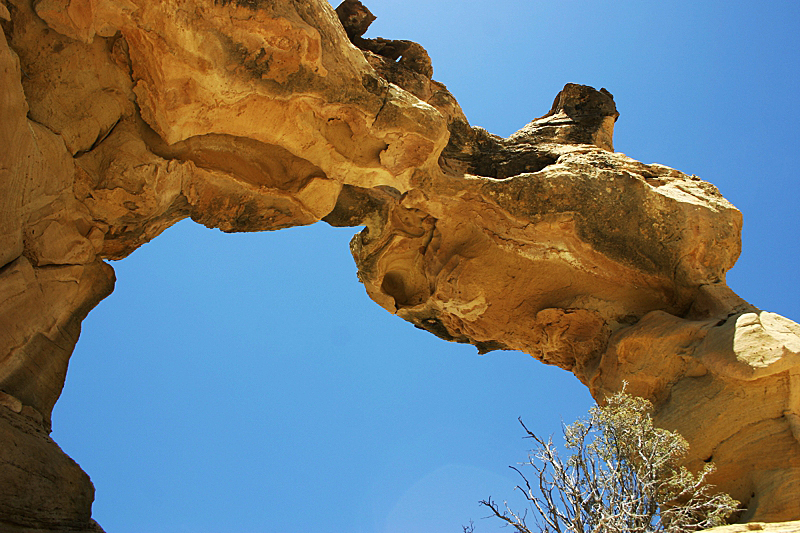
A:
{"points": [[623, 476]]}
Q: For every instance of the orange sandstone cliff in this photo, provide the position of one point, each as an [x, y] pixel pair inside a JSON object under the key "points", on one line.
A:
{"points": [[118, 119]]}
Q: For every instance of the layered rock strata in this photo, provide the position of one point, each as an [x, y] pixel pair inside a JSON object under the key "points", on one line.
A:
{"points": [[119, 119]]}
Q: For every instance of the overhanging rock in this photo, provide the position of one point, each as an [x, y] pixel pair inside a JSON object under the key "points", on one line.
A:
{"points": [[251, 116]]}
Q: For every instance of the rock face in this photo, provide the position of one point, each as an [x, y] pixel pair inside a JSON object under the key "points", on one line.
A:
{"points": [[782, 527], [121, 118]]}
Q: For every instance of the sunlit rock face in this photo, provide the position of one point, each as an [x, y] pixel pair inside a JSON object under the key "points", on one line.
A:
{"points": [[117, 119], [777, 527]]}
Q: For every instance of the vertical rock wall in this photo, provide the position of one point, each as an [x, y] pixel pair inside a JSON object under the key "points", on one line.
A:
{"points": [[120, 118]]}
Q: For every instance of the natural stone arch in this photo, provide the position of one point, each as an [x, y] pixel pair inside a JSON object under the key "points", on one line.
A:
{"points": [[501, 243]]}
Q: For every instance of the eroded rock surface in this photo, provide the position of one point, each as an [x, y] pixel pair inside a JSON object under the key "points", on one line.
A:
{"points": [[779, 527], [121, 118]]}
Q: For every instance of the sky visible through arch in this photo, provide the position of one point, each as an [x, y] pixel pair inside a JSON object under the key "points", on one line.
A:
{"points": [[245, 383]]}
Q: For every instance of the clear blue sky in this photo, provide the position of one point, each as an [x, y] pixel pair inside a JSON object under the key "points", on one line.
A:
{"points": [[245, 383]]}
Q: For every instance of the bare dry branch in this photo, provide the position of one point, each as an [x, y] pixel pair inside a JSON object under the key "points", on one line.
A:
{"points": [[623, 476]]}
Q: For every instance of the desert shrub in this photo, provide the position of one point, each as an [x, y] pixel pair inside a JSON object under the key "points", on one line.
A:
{"points": [[624, 475]]}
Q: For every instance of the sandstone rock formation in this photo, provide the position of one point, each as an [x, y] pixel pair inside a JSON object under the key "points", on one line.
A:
{"points": [[781, 527], [119, 119]]}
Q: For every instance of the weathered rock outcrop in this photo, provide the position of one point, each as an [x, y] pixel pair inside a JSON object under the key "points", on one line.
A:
{"points": [[120, 118]]}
